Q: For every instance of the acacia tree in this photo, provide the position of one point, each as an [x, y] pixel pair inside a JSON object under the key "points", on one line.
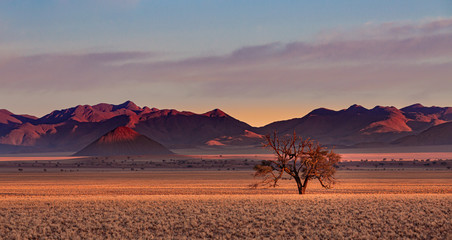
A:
{"points": [[302, 159]]}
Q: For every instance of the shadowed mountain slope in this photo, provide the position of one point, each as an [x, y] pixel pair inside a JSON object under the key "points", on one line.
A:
{"points": [[9, 121], [437, 135], [358, 124], [186, 129], [247, 138]]}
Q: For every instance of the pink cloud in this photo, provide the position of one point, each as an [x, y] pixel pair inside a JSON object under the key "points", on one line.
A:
{"points": [[403, 56]]}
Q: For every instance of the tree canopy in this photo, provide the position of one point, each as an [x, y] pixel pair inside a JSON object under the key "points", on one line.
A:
{"points": [[302, 159]]}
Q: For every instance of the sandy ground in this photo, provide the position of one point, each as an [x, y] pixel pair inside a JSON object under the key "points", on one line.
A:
{"points": [[208, 196], [158, 204], [346, 156], [42, 184]]}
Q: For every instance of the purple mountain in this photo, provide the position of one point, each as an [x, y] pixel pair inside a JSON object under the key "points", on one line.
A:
{"points": [[75, 128]]}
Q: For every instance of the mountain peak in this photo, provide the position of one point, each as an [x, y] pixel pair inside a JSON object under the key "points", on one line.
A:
{"points": [[386, 108], [120, 134], [356, 108], [420, 109], [7, 116], [127, 105], [416, 105], [215, 113], [104, 107], [6, 112], [321, 111]]}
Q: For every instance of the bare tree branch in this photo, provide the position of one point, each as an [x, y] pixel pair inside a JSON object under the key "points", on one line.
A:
{"points": [[301, 159]]}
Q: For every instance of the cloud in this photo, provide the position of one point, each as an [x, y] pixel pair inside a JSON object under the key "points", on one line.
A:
{"points": [[65, 71], [396, 56], [390, 30]]}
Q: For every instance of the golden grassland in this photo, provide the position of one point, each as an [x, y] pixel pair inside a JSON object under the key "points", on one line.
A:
{"points": [[411, 204], [388, 216]]}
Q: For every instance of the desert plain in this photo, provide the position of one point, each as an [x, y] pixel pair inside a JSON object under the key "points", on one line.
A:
{"points": [[211, 198]]}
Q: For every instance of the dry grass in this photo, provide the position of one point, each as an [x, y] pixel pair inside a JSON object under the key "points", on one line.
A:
{"points": [[229, 217], [212, 204]]}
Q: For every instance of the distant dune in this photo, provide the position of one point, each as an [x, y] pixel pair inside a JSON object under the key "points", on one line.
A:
{"points": [[123, 141]]}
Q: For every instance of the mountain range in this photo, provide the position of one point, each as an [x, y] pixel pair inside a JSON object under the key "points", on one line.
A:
{"points": [[72, 129]]}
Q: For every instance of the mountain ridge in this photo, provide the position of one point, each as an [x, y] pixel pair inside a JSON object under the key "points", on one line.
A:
{"points": [[73, 128]]}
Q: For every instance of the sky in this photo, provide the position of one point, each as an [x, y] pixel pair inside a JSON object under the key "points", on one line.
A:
{"points": [[259, 61]]}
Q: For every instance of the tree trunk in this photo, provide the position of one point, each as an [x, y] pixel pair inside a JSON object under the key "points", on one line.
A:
{"points": [[305, 184], [299, 185]]}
